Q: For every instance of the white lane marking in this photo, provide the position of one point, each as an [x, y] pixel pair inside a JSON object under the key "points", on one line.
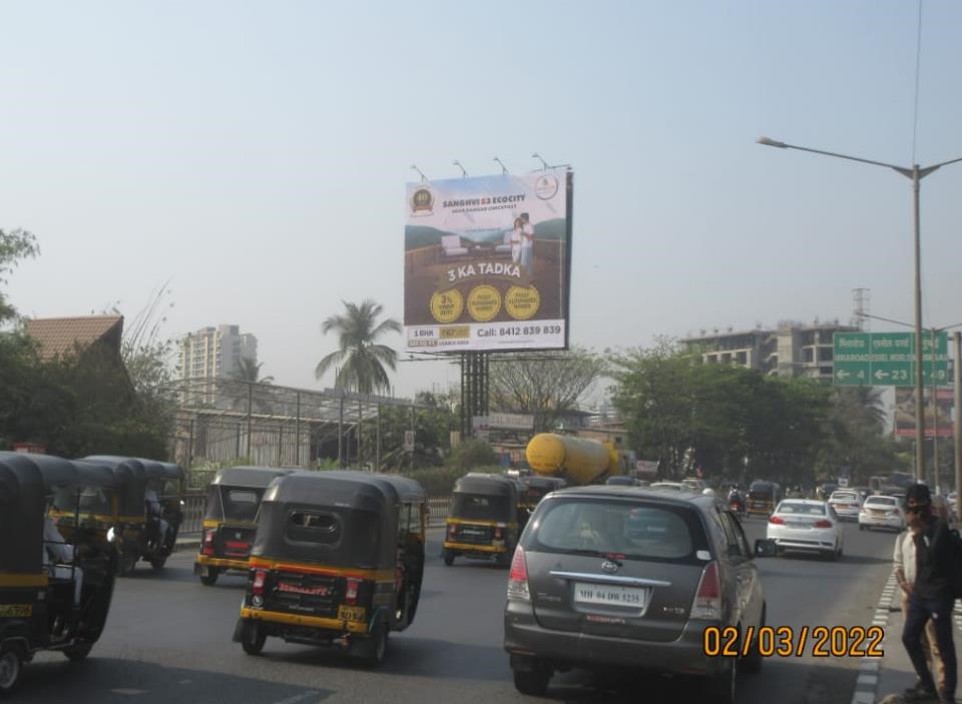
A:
{"points": [[128, 691], [866, 680], [863, 698], [186, 682]]}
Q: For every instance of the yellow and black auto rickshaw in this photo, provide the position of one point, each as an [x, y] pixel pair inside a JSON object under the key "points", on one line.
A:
{"points": [[54, 595], [536, 487], [92, 505], [484, 519], [230, 521], [763, 496], [150, 509], [338, 560]]}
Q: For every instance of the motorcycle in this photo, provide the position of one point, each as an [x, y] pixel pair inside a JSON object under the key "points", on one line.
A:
{"points": [[737, 504]]}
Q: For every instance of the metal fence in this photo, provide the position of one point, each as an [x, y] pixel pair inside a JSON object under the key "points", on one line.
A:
{"points": [[221, 421], [196, 506]]}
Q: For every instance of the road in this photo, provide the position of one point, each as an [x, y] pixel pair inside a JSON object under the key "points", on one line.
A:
{"points": [[168, 641]]}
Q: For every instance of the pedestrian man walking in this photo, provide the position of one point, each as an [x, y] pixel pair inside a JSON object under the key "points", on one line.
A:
{"points": [[930, 597]]}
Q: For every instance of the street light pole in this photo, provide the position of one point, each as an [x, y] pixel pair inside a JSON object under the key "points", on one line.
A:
{"points": [[916, 174]]}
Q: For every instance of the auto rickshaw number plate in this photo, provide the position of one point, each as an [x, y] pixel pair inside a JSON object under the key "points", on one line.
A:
{"points": [[351, 613], [16, 610]]}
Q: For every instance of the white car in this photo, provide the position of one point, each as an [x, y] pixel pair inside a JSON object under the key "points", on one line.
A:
{"points": [[806, 526], [671, 486], [881, 512], [847, 503]]}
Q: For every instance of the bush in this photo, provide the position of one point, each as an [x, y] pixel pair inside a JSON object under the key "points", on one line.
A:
{"points": [[471, 453], [438, 481]]}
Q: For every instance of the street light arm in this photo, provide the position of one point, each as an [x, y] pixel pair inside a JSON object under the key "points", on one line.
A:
{"points": [[935, 167], [783, 145]]}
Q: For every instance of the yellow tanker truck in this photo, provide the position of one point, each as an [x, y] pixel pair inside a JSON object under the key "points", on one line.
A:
{"points": [[579, 460]]}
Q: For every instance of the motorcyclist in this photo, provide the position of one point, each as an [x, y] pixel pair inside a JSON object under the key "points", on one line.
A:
{"points": [[155, 510], [58, 558], [735, 498]]}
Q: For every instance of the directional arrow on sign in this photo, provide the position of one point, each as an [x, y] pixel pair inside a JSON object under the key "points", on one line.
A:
{"points": [[879, 374], [842, 374]]}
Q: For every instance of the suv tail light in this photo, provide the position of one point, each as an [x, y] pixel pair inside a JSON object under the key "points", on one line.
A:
{"points": [[518, 577], [351, 592], [707, 603], [823, 523], [260, 579], [777, 520], [207, 547]]}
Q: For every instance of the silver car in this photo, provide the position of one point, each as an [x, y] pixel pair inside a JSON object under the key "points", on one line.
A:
{"points": [[628, 577]]}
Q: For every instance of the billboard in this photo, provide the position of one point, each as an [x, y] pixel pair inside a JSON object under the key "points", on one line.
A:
{"points": [[905, 412], [487, 263]]}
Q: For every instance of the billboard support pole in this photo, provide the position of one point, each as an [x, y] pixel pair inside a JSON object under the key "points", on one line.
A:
{"points": [[957, 420], [935, 410]]}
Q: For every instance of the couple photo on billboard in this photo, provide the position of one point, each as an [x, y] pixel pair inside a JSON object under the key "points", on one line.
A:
{"points": [[487, 262]]}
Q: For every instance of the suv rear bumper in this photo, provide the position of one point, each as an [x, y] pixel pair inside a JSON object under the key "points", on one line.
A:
{"points": [[527, 641]]}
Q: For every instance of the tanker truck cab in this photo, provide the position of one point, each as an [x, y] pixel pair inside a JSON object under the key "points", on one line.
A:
{"points": [[483, 522]]}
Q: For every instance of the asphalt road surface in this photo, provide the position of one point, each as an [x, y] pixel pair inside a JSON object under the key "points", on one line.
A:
{"points": [[168, 641]]}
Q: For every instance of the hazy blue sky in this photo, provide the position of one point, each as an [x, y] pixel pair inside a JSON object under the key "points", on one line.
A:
{"points": [[255, 154]]}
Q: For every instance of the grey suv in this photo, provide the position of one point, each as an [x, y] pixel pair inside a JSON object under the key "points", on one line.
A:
{"points": [[611, 576]]}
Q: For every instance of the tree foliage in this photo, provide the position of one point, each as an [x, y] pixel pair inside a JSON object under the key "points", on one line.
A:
{"points": [[737, 423], [360, 360], [15, 246], [545, 386]]}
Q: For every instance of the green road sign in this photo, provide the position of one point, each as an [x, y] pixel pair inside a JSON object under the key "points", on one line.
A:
{"points": [[888, 359]]}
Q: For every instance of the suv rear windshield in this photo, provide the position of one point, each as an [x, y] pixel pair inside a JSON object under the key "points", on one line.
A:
{"points": [[629, 529]]}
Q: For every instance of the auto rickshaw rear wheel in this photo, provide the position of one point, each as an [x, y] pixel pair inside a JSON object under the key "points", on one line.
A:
{"points": [[77, 653], [158, 563], [210, 579], [372, 650], [253, 638], [11, 665], [448, 558], [127, 564]]}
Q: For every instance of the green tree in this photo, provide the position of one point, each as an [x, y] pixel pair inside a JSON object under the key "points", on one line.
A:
{"points": [[545, 386], [433, 422], [15, 246], [249, 371], [360, 360]]}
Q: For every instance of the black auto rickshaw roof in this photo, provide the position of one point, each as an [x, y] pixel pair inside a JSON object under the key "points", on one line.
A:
{"points": [[249, 477], [492, 484], [135, 473], [26, 480], [543, 482], [345, 488], [367, 503]]}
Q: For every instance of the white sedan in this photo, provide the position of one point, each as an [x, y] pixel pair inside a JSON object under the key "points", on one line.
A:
{"points": [[806, 526], [881, 512], [847, 503]]}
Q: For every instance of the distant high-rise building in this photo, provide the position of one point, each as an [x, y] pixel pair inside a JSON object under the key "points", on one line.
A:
{"points": [[791, 349], [214, 353]]}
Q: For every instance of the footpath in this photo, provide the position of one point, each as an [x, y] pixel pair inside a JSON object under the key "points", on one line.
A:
{"points": [[893, 673]]}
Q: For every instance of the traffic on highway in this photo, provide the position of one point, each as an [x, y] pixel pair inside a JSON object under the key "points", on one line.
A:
{"points": [[304, 586]]}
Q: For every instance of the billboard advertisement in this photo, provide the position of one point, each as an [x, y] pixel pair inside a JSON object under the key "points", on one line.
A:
{"points": [[487, 263], [935, 413]]}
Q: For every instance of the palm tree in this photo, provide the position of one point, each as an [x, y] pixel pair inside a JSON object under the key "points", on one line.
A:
{"points": [[250, 371], [360, 361]]}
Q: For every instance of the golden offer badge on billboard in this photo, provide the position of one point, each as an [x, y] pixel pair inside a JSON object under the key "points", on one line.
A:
{"points": [[484, 303], [446, 306], [522, 302]]}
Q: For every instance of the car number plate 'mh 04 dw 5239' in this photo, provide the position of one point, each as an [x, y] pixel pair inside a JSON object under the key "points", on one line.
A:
{"points": [[611, 595]]}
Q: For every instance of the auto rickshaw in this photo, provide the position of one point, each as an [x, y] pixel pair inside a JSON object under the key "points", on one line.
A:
{"points": [[763, 496], [532, 489], [230, 522], [39, 585], [484, 519], [337, 560], [92, 505], [138, 529]]}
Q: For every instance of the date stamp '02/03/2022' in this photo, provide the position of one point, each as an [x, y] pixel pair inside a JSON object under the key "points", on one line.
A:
{"points": [[787, 642]]}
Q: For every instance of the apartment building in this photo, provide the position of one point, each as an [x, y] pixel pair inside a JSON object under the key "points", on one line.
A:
{"points": [[215, 352], [789, 349]]}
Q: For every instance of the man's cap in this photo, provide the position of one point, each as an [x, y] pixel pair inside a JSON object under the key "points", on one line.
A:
{"points": [[919, 493]]}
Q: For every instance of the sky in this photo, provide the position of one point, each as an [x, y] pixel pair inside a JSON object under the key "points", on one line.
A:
{"points": [[254, 155]]}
